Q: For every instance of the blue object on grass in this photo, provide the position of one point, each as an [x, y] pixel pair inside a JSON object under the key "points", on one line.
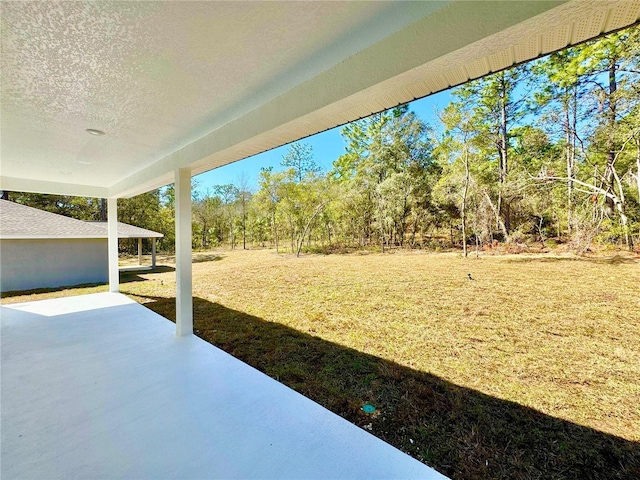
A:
{"points": [[367, 408]]}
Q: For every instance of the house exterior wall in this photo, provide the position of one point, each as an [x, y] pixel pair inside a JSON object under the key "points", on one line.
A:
{"points": [[48, 263]]}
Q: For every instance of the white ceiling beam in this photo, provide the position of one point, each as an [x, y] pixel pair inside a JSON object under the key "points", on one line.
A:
{"points": [[56, 188]]}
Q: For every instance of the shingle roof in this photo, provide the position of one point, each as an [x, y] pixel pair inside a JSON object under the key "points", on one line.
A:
{"points": [[23, 222]]}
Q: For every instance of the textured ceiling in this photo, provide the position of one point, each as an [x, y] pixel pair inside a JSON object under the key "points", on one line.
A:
{"points": [[201, 84], [155, 75]]}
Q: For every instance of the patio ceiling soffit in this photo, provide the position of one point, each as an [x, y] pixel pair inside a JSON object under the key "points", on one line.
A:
{"points": [[450, 44]]}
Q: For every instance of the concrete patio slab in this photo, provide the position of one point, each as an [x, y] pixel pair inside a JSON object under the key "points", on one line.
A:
{"points": [[98, 386]]}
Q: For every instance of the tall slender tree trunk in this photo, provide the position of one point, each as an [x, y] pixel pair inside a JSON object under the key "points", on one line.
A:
{"points": [[570, 106], [638, 168], [293, 235], [620, 206], [275, 230], [451, 239], [475, 234], [611, 121], [244, 234], [403, 221], [610, 174], [503, 146], [381, 221], [103, 209], [414, 230], [465, 191], [244, 222], [232, 239], [636, 142]]}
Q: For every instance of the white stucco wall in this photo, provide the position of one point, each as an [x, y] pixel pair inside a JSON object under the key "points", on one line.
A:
{"points": [[29, 264]]}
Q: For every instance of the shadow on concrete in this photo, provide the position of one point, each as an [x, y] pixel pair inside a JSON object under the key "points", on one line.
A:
{"points": [[459, 431]]}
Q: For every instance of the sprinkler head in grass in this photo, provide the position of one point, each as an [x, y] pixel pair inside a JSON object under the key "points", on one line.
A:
{"points": [[368, 408]]}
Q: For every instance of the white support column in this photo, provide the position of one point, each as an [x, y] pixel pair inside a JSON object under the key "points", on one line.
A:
{"points": [[153, 252], [112, 227], [184, 299], [140, 251]]}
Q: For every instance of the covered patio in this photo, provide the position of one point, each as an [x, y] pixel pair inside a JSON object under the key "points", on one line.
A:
{"points": [[98, 386], [111, 100]]}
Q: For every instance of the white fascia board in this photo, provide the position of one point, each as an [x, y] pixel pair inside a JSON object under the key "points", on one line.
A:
{"points": [[52, 237], [139, 236], [13, 184], [453, 27], [65, 237]]}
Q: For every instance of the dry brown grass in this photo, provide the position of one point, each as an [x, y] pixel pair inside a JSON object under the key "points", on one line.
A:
{"points": [[530, 370]]}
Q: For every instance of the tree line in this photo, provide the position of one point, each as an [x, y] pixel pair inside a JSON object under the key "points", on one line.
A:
{"points": [[545, 152]]}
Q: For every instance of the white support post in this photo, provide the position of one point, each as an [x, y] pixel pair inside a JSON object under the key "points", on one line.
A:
{"points": [[112, 227], [153, 252], [184, 299], [140, 251]]}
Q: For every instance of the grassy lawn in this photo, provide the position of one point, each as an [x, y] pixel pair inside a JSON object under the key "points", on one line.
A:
{"points": [[530, 370]]}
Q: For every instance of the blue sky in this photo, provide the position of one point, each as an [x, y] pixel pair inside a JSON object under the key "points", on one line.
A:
{"points": [[327, 147]]}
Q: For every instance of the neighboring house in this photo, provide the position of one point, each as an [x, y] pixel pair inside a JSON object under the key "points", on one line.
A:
{"points": [[41, 249]]}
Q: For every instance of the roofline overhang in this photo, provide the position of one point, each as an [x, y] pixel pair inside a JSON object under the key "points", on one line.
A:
{"points": [[52, 237], [321, 102], [72, 237], [354, 88]]}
